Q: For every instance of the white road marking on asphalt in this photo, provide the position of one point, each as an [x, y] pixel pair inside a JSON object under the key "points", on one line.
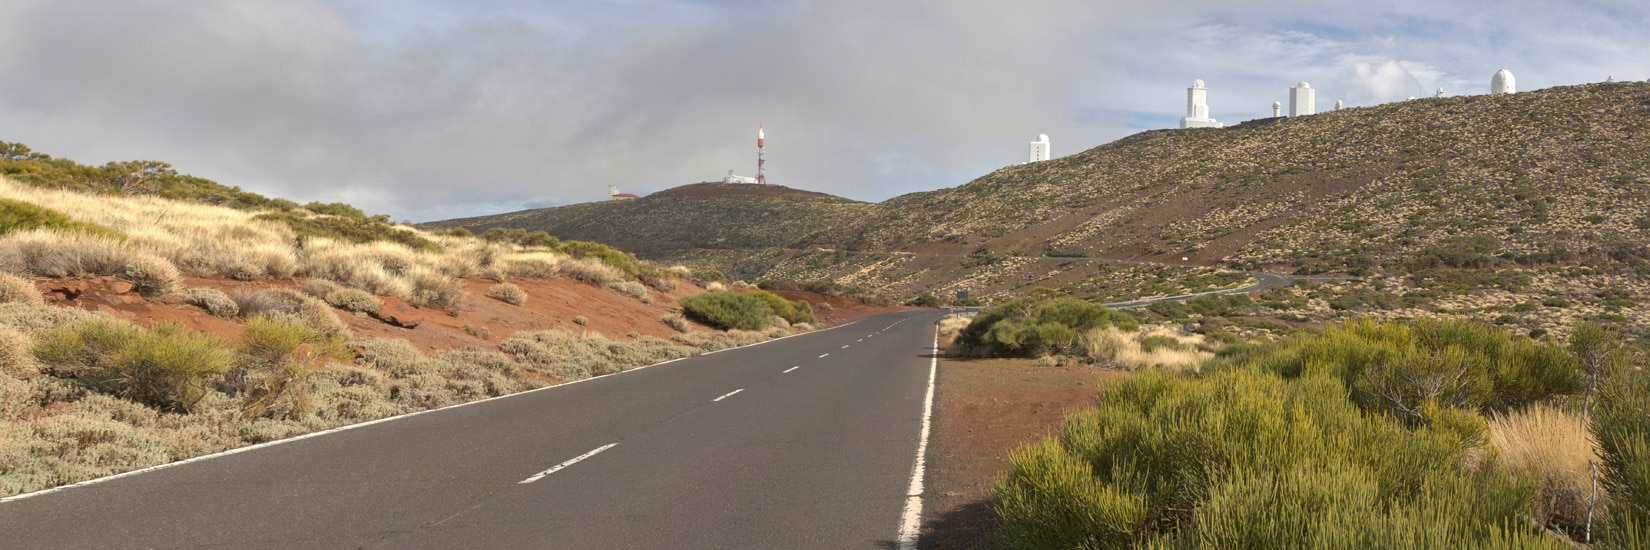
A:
{"points": [[791, 369], [846, 347], [912, 518], [348, 427], [558, 467], [860, 340], [823, 356], [730, 394]]}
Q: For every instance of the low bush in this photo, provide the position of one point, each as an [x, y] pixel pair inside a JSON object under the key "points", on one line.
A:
{"points": [[589, 270], [214, 301], [1250, 459], [1400, 368], [319, 288], [17, 290], [569, 357], [353, 299], [1149, 348], [508, 293], [581, 320], [952, 324], [632, 289], [676, 321], [16, 359], [713, 341], [287, 303], [1553, 446], [1621, 427], [274, 362], [1027, 327], [167, 367], [728, 310]]}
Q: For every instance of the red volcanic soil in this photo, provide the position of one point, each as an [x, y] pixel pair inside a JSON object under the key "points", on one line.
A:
{"points": [[551, 304]]}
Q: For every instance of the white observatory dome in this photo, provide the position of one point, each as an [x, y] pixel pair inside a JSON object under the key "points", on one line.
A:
{"points": [[1197, 83], [1303, 84], [1042, 137], [1503, 83]]}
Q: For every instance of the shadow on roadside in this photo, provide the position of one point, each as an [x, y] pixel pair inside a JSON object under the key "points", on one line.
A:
{"points": [[965, 527]]}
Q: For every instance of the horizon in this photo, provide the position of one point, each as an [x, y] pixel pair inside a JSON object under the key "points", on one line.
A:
{"points": [[439, 110]]}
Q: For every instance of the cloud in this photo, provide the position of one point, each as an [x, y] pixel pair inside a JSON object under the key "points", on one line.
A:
{"points": [[432, 109]]}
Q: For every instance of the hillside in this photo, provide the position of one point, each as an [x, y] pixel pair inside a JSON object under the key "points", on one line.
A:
{"points": [[703, 215], [1471, 204]]}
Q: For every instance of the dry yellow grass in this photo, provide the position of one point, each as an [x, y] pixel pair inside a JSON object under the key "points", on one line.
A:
{"points": [[951, 324], [1554, 445], [1124, 348], [14, 289]]}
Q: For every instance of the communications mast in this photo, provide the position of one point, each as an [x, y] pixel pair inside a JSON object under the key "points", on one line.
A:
{"points": [[760, 142]]}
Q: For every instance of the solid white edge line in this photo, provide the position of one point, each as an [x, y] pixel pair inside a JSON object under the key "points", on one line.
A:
{"points": [[301, 437], [729, 394], [570, 462], [790, 369], [911, 521]]}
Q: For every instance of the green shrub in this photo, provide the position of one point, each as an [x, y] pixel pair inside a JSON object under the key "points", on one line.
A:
{"points": [[1153, 343], [508, 293], [17, 290], [793, 312], [1248, 459], [21, 216], [151, 275], [275, 358], [1555, 302], [1027, 327], [288, 303], [167, 367], [728, 310], [926, 299], [1621, 425], [1398, 367]]}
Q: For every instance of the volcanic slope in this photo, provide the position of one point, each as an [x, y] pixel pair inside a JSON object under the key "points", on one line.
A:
{"points": [[725, 216], [1534, 178]]}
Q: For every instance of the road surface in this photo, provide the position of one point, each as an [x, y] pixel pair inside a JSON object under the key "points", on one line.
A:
{"points": [[805, 442]]}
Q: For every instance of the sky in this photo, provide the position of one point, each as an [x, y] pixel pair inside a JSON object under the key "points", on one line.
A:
{"points": [[428, 110]]}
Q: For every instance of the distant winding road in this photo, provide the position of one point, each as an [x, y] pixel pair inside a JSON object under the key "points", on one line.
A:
{"points": [[804, 442]]}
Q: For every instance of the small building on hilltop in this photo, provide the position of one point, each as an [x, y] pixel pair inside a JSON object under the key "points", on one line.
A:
{"points": [[1039, 149], [1197, 108], [1503, 83], [613, 194]]}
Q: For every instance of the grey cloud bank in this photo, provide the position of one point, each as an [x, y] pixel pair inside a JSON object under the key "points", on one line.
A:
{"points": [[430, 110]]}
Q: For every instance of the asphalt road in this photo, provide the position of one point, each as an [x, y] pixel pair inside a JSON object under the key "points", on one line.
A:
{"points": [[805, 442]]}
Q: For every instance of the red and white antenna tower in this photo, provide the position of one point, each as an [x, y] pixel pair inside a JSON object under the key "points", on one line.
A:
{"points": [[760, 143]]}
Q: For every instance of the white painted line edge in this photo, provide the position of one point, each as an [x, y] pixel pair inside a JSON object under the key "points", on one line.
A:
{"points": [[791, 369], [729, 394], [570, 462], [846, 347], [911, 521], [823, 355], [347, 427]]}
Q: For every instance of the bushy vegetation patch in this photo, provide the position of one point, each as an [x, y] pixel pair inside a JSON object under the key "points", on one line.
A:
{"points": [[1249, 459], [728, 310], [508, 293], [214, 301], [351, 226], [1404, 368], [1621, 426], [1029, 327], [798, 311], [274, 361], [47, 253], [167, 367], [17, 290], [569, 357], [291, 304], [17, 215], [1432, 433]]}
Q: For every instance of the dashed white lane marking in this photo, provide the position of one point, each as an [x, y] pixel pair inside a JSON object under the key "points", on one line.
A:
{"points": [[911, 520], [846, 347], [730, 394], [558, 467], [823, 356], [791, 369], [860, 340]]}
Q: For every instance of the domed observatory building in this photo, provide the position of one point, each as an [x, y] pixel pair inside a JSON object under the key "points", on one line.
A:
{"points": [[1303, 100], [1197, 108], [1502, 83]]}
